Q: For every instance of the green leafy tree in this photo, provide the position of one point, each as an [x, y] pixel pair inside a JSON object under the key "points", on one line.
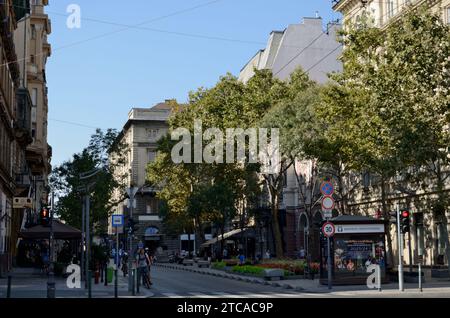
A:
{"points": [[65, 181], [390, 105]]}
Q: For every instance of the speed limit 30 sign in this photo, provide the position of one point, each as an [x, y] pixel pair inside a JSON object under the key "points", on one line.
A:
{"points": [[328, 229]]}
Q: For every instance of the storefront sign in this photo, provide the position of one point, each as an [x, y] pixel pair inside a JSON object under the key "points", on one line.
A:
{"points": [[359, 228], [22, 203]]}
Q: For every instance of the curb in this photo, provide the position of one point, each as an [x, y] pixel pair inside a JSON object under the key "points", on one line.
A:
{"points": [[228, 276]]}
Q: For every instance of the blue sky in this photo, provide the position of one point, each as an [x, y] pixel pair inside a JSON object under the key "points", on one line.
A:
{"points": [[95, 83]]}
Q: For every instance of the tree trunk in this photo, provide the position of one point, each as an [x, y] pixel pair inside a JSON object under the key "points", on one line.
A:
{"points": [[444, 215], [199, 236], [276, 230], [386, 217]]}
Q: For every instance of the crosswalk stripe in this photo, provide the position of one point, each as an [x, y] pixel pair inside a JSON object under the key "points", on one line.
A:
{"points": [[238, 295], [172, 295], [201, 295]]}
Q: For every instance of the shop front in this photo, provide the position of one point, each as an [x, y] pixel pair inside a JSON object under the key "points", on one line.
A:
{"points": [[358, 243]]}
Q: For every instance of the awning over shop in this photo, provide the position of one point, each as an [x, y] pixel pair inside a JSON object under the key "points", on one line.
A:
{"points": [[224, 236], [61, 231]]}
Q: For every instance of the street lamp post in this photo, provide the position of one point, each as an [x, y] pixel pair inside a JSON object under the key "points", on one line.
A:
{"points": [[86, 203], [51, 274], [131, 194]]}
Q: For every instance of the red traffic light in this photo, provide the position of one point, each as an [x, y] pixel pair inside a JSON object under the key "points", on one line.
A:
{"points": [[405, 214]]}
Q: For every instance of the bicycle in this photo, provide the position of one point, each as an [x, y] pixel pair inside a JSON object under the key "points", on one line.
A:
{"points": [[146, 280]]}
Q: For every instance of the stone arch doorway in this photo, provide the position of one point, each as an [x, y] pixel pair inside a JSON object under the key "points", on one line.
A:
{"points": [[303, 233], [152, 238], [314, 246]]}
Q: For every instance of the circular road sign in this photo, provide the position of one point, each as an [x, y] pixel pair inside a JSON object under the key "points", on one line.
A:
{"points": [[328, 229], [327, 203], [327, 188]]}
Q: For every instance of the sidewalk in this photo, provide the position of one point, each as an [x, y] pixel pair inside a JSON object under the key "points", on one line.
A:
{"points": [[313, 286], [30, 283]]}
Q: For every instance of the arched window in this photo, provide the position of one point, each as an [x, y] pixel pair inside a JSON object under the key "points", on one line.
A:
{"points": [[152, 230]]}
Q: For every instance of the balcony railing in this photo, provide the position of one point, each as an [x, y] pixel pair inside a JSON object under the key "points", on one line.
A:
{"points": [[22, 122], [23, 178]]}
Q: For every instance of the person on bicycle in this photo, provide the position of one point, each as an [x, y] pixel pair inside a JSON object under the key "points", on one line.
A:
{"points": [[142, 263]]}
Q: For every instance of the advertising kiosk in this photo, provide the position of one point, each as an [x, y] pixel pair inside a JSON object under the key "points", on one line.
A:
{"points": [[358, 242]]}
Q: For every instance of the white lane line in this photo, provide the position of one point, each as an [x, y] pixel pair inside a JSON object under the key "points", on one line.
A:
{"points": [[257, 296], [343, 294], [227, 295], [201, 295], [172, 295], [312, 295]]}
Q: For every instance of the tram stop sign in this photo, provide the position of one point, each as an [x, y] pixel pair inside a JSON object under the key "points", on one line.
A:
{"points": [[328, 229]]}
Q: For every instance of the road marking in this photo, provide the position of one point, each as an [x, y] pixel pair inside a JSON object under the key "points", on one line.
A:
{"points": [[172, 295], [312, 294], [201, 295], [343, 294]]}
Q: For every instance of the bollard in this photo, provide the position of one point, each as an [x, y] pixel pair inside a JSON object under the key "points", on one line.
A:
{"points": [[8, 290], [116, 283], [133, 292], [89, 278], [138, 281]]}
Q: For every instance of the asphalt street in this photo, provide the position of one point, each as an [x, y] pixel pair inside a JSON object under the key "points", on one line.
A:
{"points": [[171, 283]]}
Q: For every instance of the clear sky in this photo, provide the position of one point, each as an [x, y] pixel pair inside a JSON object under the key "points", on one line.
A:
{"points": [[94, 80]]}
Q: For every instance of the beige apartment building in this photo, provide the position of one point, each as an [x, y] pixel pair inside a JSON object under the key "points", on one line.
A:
{"points": [[142, 131], [33, 50], [425, 232], [384, 12]]}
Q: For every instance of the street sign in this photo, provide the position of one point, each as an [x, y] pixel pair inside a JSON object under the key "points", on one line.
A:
{"points": [[327, 188], [117, 220], [328, 229], [22, 203], [327, 203], [327, 214]]}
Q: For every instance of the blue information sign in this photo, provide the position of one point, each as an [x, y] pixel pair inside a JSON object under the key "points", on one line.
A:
{"points": [[117, 220]]}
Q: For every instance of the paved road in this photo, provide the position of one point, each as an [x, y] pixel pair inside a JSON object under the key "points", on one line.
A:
{"points": [[181, 284], [170, 283]]}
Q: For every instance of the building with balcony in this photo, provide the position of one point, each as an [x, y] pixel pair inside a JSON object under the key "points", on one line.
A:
{"points": [[14, 129], [426, 232], [142, 131], [33, 50], [24, 152], [384, 12]]}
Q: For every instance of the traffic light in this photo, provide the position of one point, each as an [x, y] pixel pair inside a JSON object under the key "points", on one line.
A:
{"points": [[404, 221], [44, 216], [132, 226]]}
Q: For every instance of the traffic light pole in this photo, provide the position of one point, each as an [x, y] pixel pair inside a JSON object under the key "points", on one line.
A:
{"points": [[400, 251], [130, 250], [410, 252], [329, 264], [51, 274], [83, 238], [88, 244]]}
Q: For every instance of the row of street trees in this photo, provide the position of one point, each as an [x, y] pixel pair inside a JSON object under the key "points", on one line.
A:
{"points": [[66, 184], [387, 113]]}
